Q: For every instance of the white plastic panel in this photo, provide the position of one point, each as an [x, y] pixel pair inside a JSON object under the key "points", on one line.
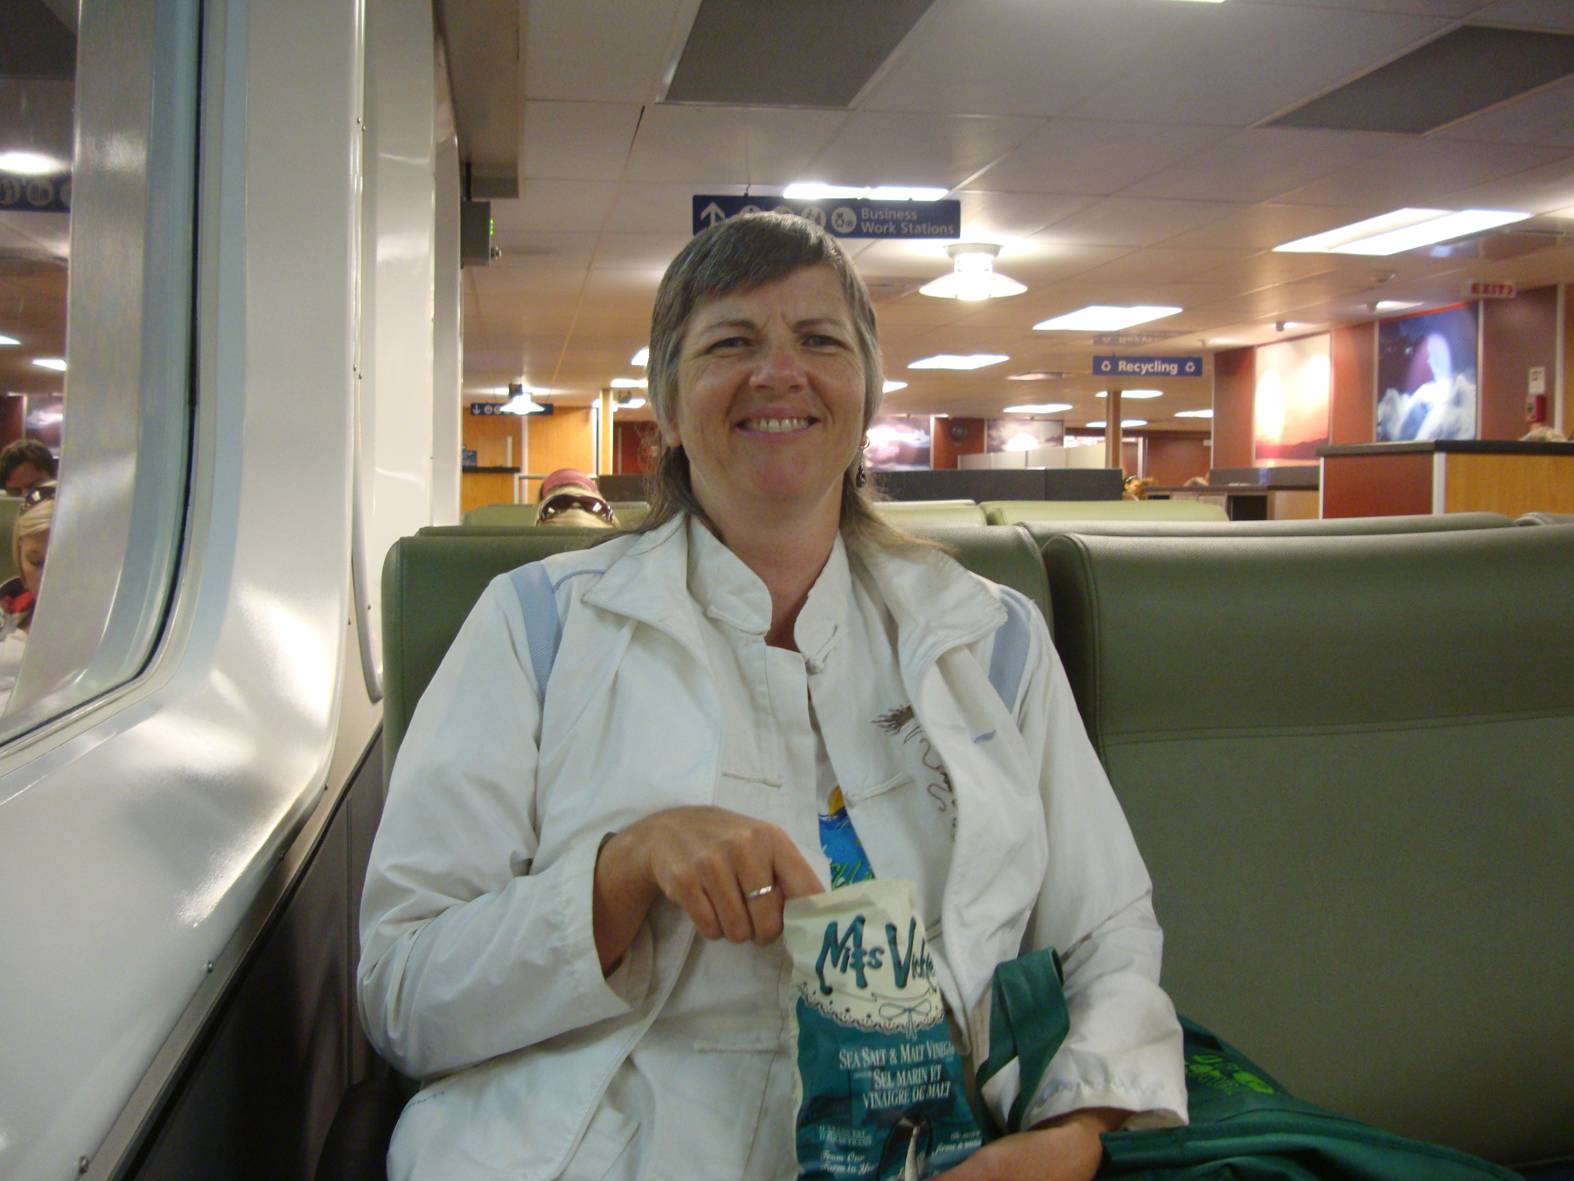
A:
{"points": [[393, 452], [142, 828], [447, 339]]}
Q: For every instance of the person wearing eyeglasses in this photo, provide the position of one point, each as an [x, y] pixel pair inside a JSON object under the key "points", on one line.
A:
{"points": [[18, 595], [570, 497], [634, 754], [24, 464]]}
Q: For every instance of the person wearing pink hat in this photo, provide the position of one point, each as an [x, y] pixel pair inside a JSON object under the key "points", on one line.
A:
{"points": [[570, 497]]}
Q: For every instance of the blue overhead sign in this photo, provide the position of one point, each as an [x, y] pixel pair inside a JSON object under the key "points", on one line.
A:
{"points": [[36, 194], [1147, 366], [850, 218]]}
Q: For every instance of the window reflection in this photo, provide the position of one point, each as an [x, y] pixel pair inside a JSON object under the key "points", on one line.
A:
{"points": [[37, 93]]}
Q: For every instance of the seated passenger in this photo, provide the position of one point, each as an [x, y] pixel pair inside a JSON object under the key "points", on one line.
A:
{"points": [[570, 497], [29, 545], [633, 755], [24, 464]]}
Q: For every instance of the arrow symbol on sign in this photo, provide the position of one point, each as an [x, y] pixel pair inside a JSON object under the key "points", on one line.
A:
{"points": [[712, 214]]}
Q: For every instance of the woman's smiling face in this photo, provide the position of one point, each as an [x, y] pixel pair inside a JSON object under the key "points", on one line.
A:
{"points": [[770, 398]]}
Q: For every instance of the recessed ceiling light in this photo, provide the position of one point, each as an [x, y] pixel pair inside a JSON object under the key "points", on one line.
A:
{"points": [[891, 387], [29, 164], [958, 361], [8, 341], [1039, 408], [628, 383], [1125, 422], [813, 190], [56, 363], [1104, 318], [641, 358], [973, 277], [1400, 230], [1395, 305], [1132, 394], [1194, 414]]}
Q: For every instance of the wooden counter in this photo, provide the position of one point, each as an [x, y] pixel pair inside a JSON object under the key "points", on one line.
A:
{"points": [[1447, 476], [485, 485]]}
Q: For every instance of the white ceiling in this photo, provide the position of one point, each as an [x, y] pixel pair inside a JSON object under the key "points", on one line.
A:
{"points": [[1113, 147]]}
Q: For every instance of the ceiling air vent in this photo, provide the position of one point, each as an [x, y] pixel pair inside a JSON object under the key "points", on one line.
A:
{"points": [[753, 52], [1448, 79]]}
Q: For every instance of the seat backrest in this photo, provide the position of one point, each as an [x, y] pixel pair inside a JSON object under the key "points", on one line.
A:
{"points": [[1023, 512], [630, 512], [1332, 527], [907, 513], [432, 580], [1349, 764], [10, 510], [501, 514]]}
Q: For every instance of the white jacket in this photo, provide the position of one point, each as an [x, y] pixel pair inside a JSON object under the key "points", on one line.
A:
{"points": [[478, 967]]}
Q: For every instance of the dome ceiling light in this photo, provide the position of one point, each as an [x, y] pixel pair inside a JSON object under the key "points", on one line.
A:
{"points": [[973, 277]]}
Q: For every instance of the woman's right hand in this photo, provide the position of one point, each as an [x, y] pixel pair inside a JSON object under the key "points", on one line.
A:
{"points": [[705, 859]]}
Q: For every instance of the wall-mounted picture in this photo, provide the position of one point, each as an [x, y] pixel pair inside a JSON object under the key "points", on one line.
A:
{"points": [[1426, 376], [1024, 434], [1290, 419], [898, 444]]}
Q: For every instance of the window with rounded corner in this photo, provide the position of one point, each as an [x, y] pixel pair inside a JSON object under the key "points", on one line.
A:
{"points": [[98, 153]]}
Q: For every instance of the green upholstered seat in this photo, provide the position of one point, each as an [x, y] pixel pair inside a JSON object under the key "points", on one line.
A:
{"points": [[10, 510], [1024, 512], [431, 581], [905, 514], [630, 513], [1332, 527], [1349, 763]]}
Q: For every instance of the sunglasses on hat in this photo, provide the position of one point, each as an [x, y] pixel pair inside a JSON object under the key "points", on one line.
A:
{"points": [[562, 502]]}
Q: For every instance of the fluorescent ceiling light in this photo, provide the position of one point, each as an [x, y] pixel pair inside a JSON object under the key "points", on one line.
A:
{"points": [[973, 278], [1400, 230], [1194, 414], [1038, 375], [1039, 408], [1125, 422], [8, 341], [891, 387], [1202, 1], [956, 361], [56, 363], [641, 358], [629, 383], [1104, 318], [1132, 394], [813, 190], [29, 164], [1395, 305]]}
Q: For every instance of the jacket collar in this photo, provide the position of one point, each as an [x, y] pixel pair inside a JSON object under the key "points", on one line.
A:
{"points": [[935, 603]]}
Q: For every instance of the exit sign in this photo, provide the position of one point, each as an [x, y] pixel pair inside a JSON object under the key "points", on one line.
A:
{"points": [[1483, 290]]}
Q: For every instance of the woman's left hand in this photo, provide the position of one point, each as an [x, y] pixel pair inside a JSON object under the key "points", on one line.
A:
{"points": [[1066, 1149]]}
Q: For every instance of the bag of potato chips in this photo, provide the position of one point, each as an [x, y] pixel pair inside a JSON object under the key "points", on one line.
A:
{"points": [[880, 1090]]}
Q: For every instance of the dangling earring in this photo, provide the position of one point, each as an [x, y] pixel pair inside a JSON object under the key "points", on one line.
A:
{"points": [[861, 476]]}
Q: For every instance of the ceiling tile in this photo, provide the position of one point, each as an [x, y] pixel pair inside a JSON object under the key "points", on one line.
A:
{"points": [[556, 206], [540, 247], [1537, 190], [1267, 225], [639, 251], [1094, 156], [1132, 221], [643, 208], [601, 50], [732, 145], [1009, 217], [886, 148], [1414, 174], [577, 140], [1552, 15], [1235, 65], [1546, 117], [1262, 163]]}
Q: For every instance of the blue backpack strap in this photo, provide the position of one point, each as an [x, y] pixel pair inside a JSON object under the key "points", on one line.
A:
{"points": [[1012, 641], [542, 625]]}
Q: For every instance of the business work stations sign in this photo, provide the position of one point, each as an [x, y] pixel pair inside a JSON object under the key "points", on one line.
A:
{"points": [[843, 217]]}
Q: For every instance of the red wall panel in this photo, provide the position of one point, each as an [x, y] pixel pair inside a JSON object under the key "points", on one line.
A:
{"points": [[1516, 334], [1351, 401], [1234, 387]]}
